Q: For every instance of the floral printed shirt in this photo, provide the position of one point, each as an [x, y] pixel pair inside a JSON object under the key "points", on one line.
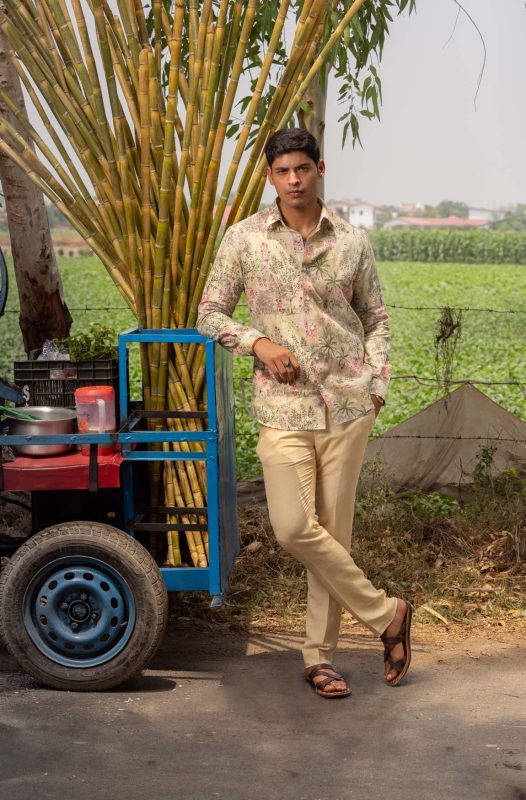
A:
{"points": [[320, 298]]}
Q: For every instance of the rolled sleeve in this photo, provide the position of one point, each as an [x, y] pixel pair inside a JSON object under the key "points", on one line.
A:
{"points": [[369, 305], [220, 298]]}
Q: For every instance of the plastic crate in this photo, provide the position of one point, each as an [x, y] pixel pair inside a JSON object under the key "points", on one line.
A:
{"points": [[53, 383]]}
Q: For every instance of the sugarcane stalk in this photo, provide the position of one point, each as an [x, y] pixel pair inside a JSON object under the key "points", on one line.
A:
{"points": [[144, 77]]}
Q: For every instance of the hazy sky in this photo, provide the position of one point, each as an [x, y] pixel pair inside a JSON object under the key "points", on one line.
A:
{"points": [[431, 144]]}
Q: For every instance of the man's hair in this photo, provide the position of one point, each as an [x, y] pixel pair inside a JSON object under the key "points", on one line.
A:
{"points": [[289, 139]]}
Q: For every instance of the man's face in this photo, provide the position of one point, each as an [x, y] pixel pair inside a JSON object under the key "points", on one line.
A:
{"points": [[295, 177]]}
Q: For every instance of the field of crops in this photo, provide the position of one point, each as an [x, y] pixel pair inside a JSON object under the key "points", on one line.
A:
{"points": [[456, 246], [491, 347]]}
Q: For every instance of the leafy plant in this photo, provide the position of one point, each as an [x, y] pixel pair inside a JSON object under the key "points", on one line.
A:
{"points": [[446, 342], [97, 343], [433, 505], [484, 459]]}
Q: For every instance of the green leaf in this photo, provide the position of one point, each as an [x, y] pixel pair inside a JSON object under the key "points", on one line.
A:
{"points": [[357, 26]]}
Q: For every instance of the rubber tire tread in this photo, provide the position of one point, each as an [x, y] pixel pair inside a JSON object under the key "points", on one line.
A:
{"points": [[111, 546]]}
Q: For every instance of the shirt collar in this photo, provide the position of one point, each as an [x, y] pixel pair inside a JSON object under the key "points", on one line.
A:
{"points": [[274, 218]]}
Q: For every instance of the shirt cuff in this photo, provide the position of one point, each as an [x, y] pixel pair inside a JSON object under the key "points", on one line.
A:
{"points": [[379, 387], [247, 339]]}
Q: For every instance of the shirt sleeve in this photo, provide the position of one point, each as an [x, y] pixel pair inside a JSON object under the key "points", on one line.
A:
{"points": [[369, 304], [220, 297]]}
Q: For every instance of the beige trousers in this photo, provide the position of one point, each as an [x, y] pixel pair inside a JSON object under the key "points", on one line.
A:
{"points": [[310, 482]]}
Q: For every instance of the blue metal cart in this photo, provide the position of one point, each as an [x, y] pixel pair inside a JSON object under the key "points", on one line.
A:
{"points": [[83, 605]]}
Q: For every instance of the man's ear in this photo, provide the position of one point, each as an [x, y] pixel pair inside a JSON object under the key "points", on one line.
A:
{"points": [[269, 176], [321, 168]]}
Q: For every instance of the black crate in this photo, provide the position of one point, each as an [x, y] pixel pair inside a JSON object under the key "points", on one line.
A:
{"points": [[53, 383]]}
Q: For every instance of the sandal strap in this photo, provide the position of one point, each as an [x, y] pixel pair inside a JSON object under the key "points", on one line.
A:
{"points": [[391, 641], [329, 679], [320, 670], [398, 665], [315, 672], [402, 637]]}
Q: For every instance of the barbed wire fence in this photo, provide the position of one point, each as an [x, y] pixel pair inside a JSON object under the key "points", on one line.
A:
{"points": [[425, 381], [388, 305]]}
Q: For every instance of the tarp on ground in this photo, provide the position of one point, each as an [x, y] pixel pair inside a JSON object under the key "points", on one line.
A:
{"points": [[468, 421]]}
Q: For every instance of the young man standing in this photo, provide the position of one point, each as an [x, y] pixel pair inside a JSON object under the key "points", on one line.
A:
{"points": [[320, 339]]}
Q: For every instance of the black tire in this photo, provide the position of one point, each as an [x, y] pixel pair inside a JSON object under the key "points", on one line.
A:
{"points": [[101, 556]]}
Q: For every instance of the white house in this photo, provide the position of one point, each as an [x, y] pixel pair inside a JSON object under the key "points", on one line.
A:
{"points": [[489, 214], [357, 212]]}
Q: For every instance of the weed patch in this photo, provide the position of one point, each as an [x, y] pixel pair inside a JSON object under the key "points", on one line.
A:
{"points": [[459, 563]]}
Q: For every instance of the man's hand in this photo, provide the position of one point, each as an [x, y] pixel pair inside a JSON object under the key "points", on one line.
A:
{"points": [[377, 403], [280, 361]]}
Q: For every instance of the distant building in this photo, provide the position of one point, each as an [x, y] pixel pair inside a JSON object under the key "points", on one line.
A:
{"points": [[489, 214], [436, 222], [410, 208], [357, 212]]}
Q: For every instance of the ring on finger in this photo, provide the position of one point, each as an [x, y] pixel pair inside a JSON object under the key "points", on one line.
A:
{"points": [[287, 364]]}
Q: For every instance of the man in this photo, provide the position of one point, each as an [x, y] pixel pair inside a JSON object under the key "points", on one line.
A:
{"points": [[320, 340]]}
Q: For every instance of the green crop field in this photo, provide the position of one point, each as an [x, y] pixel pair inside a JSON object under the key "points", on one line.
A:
{"points": [[491, 347]]}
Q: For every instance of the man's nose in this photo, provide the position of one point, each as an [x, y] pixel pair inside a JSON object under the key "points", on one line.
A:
{"points": [[293, 177]]}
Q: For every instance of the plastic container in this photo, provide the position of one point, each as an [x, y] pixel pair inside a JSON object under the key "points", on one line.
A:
{"points": [[95, 406]]}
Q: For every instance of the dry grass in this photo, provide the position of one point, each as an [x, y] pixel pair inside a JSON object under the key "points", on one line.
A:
{"points": [[462, 562]]}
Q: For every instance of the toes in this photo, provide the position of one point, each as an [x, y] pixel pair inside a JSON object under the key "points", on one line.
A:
{"points": [[330, 688], [334, 687]]}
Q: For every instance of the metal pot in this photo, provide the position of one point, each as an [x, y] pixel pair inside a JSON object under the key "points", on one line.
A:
{"points": [[49, 421]]}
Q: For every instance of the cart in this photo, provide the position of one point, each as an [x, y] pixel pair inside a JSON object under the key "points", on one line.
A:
{"points": [[83, 605]]}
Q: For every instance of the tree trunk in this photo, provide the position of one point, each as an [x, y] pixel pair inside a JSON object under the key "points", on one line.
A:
{"points": [[43, 311], [314, 119]]}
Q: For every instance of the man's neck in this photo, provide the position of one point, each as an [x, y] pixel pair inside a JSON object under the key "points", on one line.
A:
{"points": [[303, 220]]}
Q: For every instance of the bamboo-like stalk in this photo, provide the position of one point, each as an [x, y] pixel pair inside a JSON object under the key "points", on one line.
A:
{"points": [[144, 77], [174, 550], [135, 167]]}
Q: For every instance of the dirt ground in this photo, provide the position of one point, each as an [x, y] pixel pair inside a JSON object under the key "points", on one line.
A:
{"points": [[229, 715]]}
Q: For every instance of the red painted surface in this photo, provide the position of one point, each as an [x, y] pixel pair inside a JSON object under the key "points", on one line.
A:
{"points": [[68, 471]]}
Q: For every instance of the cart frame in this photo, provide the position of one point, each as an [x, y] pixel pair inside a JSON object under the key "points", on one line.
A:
{"points": [[219, 454]]}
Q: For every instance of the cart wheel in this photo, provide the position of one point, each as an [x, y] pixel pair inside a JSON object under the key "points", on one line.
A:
{"points": [[82, 606]]}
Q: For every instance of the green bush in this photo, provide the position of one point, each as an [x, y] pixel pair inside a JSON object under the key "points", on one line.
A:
{"points": [[461, 247]]}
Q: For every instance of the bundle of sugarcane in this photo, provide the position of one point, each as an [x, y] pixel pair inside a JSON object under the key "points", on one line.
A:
{"points": [[136, 123]]}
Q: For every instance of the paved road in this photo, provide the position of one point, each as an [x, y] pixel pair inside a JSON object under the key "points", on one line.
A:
{"points": [[220, 716]]}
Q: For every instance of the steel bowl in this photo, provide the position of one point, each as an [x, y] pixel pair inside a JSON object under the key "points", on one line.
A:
{"points": [[49, 421]]}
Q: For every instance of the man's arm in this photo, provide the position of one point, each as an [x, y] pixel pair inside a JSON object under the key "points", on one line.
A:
{"points": [[369, 304], [220, 297]]}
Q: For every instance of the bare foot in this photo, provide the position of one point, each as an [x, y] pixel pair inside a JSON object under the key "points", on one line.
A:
{"points": [[398, 652]]}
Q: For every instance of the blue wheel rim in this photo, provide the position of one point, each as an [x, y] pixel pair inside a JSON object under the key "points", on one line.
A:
{"points": [[79, 611]]}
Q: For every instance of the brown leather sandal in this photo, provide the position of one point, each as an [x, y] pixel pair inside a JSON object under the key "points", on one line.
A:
{"points": [[330, 677], [402, 637]]}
